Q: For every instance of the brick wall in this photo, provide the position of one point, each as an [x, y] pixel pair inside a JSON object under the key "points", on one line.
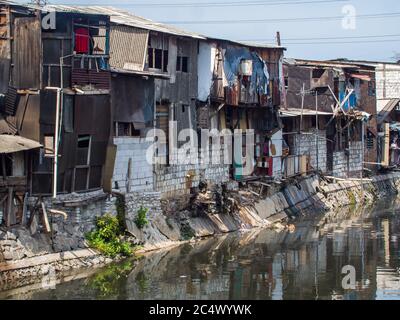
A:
{"points": [[387, 83], [355, 161], [178, 179], [171, 180], [339, 164], [305, 144]]}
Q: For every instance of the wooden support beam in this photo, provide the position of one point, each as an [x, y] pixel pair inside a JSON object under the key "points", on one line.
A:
{"points": [[24, 209], [3, 199], [9, 206]]}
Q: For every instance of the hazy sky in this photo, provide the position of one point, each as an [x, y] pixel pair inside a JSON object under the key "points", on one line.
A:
{"points": [[373, 38]]}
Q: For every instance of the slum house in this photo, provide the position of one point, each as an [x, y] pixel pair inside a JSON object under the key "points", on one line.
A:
{"points": [[387, 76], [377, 87], [164, 60], [241, 87], [326, 103], [389, 134], [70, 54], [388, 107], [154, 81]]}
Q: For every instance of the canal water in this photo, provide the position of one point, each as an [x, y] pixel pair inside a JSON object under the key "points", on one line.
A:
{"points": [[305, 263]]}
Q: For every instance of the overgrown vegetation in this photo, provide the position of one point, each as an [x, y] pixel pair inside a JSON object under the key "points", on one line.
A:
{"points": [[141, 219], [107, 238]]}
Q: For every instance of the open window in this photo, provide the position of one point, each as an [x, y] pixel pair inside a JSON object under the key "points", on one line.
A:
{"points": [[182, 64], [83, 150], [317, 73], [82, 168], [286, 83], [125, 129], [157, 53]]}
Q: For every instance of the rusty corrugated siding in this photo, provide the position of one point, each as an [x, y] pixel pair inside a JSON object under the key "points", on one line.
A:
{"points": [[100, 79], [128, 47]]}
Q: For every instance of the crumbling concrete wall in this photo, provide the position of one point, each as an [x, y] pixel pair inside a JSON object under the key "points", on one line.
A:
{"points": [[306, 144], [82, 211], [132, 170], [66, 234], [160, 230]]}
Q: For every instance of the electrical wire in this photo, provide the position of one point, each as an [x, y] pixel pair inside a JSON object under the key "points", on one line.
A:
{"points": [[218, 4], [341, 42], [297, 19], [326, 38]]}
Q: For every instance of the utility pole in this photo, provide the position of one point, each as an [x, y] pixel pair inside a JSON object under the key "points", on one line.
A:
{"points": [[278, 38], [363, 158], [303, 93]]}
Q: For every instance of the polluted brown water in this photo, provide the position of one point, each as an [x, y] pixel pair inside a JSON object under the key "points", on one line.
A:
{"points": [[352, 254]]}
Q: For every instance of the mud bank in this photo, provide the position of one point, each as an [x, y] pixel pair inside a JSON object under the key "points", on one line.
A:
{"points": [[218, 210]]}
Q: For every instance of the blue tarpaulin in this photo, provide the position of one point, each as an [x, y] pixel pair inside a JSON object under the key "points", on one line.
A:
{"points": [[259, 80]]}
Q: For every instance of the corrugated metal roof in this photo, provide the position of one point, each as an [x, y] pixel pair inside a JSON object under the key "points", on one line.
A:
{"points": [[126, 18], [319, 63], [142, 73], [258, 45], [249, 44], [369, 63], [11, 144]]}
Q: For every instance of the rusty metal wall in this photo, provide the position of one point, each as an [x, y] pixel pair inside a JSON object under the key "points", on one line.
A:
{"points": [[100, 79], [5, 50], [132, 99], [27, 53], [297, 75], [128, 47]]}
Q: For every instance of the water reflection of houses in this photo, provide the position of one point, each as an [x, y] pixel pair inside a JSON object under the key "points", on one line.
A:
{"points": [[304, 264], [264, 264]]}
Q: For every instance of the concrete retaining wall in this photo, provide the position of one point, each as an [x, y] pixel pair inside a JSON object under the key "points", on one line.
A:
{"points": [[309, 195]]}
